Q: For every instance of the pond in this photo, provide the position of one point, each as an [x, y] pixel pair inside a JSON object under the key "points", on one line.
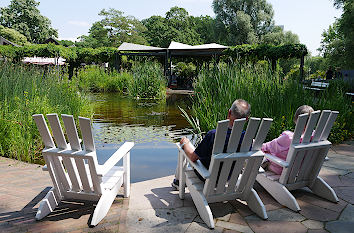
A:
{"points": [[153, 126]]}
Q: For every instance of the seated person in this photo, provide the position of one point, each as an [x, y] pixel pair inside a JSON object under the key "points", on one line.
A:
{"points": [[239, 109], [279, 147]]}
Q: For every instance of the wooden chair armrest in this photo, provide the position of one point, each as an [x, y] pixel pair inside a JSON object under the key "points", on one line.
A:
{"points": [[197, 165], [114, 159], [277, 160]]}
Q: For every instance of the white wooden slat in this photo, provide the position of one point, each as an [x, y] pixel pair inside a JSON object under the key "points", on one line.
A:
{"points": [[310, 126], [126, 176], [210, 183], [245, 175], [96, 183], [55, 179], [305, 165], [83, 174], [250, 133], [329, 125], [69, 164], [235, 136], [311, 163], [71, 131], [296, 167], [235, 175], [60, 172], [290, 160], [44, 131], [57, 131], [85, 126], [224, 173], [299, 129], [257, 160], [262, 133], [320, 125], [220, 135], [318, 164]]}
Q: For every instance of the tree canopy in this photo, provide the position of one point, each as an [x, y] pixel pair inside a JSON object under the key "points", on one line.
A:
{"points": [[24, 17], [12, 35]]}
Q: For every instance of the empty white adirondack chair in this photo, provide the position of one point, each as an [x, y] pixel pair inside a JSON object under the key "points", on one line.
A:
{"points": [[303, 162], [239, 185], [75, 172]]}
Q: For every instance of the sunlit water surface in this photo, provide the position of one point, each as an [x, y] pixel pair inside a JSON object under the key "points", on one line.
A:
{"points": [[153, 126]]}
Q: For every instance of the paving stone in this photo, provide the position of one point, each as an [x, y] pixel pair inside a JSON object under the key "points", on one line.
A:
{"points": [[317, 231], [233, 226], [347, 214], [350, 175], [345, 193], [279, 215], [346, 148], [316, 213], [318, 201], [326, 170], [202, 228], [340, 226], [221, 210], [241, 208], [238, 219], [230, 231], [312, 224], [338, 161], [277, 226]]}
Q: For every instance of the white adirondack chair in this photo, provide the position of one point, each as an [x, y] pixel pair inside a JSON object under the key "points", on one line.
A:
{"points": [[220, 187], [303, 162], [75, 172]]}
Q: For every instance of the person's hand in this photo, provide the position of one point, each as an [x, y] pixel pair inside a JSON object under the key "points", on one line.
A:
{"points": [[184, 140]]}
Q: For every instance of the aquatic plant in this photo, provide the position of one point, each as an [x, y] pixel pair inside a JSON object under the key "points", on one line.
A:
{"points": [[269, 95], [25, 91]]}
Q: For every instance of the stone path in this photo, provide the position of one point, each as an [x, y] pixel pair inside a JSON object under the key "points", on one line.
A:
{"points": [[155, 207]]}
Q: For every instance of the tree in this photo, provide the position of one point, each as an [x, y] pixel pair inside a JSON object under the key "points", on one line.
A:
{"points": [[244, 21], [98, 37], [12, 35], [280, 37], [24, 17], [157, 31]]}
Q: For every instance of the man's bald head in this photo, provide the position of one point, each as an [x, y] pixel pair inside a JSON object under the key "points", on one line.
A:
{"points": [[240, 109]]}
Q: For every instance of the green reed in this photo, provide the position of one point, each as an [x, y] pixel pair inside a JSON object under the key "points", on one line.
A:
{"points": [[270, 96], [25, 91]]}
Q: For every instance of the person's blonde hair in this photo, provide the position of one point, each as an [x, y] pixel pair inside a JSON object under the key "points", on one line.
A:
{"points": [[302, 110]]}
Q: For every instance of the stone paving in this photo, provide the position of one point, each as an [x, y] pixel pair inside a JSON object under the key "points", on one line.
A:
{"points": [[155, 207]]}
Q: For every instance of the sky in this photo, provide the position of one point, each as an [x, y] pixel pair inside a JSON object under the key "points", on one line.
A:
{"points": [[73, 18]]}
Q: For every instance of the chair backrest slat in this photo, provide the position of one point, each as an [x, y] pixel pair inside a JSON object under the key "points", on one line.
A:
{"points": [[55, 179], [231, 188], [71, 131], [57, 131], [44, 131], [220, 136], [299, 129], [224, 173], [235, 136], [257, 160], [310, 126], [60, 171], [83, 174], [70, 166], [321, 124], [296, 166], [250, 133], [96, 182], [306, 164], [85, 126], [262, 133], [328, 126], [245, 175], [211, 182]]}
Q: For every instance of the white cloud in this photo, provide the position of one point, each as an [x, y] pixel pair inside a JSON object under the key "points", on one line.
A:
{"points": [[79, 23]]}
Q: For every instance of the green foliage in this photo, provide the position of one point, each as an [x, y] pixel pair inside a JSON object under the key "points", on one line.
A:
{"points": [[148, 81], [279, 37], [216, 89], [243, 21], [26, 91], [12, 35], [260, 52], [24, 17], [187, 70]]}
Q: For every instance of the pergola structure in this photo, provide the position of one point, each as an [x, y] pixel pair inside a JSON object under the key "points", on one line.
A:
{"points": [[175, 49]]}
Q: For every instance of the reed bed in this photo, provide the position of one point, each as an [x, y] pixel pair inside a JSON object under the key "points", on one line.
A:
{"points": [[25, 91], [269, 95]]}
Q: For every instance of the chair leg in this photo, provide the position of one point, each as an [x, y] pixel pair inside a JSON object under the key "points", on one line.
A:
{"points": [[48, 204], [322, 189], [104, 204], [182, 176], [256, 204], [203, 207], [279, 192]]}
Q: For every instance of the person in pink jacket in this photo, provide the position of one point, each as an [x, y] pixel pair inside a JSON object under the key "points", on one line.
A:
{"points": [[279, 147]]}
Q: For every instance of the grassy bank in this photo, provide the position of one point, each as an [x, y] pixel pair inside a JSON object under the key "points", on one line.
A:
{"points": [[144, 80], [25, 91], [216, 88]]}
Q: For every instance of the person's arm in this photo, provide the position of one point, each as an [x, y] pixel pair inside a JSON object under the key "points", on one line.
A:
{"points": [[279, 144], [189, 149]]}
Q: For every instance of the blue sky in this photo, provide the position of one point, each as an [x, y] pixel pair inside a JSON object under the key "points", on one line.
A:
{"points": [[307, 18]]}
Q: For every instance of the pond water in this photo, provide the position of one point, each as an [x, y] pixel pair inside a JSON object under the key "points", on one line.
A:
{"points": [[153, 126]]}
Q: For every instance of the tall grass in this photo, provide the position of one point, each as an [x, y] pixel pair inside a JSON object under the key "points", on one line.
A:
{"points": [[25, 91], [270, 96], [144, 80]]}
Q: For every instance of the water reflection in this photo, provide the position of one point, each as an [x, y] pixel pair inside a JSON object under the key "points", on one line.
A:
{"points": [[153, 126]]}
